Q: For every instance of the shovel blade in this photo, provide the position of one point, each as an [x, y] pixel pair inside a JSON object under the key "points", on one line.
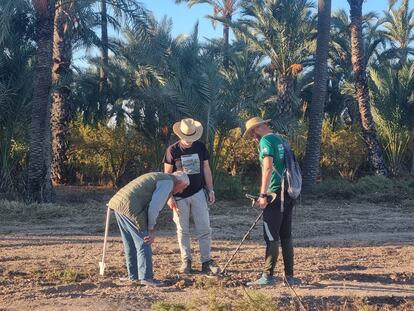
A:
{"points": [[101, 268]]}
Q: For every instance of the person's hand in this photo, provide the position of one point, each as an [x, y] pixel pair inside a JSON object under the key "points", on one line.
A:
{"points": [[262, 202], [173, 205], [150, 238], [211, 197]]}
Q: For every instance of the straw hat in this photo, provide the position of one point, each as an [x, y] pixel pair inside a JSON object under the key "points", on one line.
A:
{"points": [[188, 130], [253, 123]]}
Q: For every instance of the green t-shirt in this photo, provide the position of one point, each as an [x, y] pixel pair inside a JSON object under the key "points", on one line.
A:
{"points": [[271, 145]]}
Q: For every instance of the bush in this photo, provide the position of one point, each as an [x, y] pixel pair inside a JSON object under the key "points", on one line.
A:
{"points": [[102, 152], [234, 187], [343, 152]]}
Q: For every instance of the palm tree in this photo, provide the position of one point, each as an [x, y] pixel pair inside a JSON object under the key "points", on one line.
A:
{"points": [[341, 77], [282, 31], [399, 25], [361, 89], [392, 92], [17, 52], [104, 47], [39, 183], [316, 109], [224, 10], [61, 79], [128, 11]]}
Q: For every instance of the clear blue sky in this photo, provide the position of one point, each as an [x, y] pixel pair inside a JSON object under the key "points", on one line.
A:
{"points": [[185, 18]]}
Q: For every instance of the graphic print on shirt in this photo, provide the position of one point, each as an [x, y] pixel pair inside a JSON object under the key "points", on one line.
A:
{"points": [[191, 163]]}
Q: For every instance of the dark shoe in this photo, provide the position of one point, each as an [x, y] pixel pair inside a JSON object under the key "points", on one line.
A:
{"points": [[128, 281], [210, 267], [291, 281], [265, 280], [186, 267], [152, 283]]}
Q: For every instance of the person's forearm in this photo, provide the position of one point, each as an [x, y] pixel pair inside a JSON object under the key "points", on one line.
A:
{"points": [[168, 168], [158, 200], [266, 175], [208, 178]]}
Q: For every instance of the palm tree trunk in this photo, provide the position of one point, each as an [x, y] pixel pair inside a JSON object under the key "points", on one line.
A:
{"points": [[285, 85], [103, 78], [39, 185], [361, 90], [316, 108], [412, 156], [61, 97], [226, 31]]}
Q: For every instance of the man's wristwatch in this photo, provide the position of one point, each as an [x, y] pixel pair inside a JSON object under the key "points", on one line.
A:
{"points": [[210, 191], [263, 195]]}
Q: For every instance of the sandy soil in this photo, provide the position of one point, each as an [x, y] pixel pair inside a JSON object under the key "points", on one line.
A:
{"points": [[347, 255]]}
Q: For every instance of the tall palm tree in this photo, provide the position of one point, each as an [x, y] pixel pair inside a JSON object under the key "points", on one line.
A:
{"points": [[39, 183], [282, 31], [224, 10], [398, 32], [316, 109], [341, 91], [61, 80], [124, 12], [361, 90], [104, 60]]}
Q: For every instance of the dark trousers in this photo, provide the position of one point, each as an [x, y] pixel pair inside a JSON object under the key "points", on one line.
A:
{"points": [[277, 225]]}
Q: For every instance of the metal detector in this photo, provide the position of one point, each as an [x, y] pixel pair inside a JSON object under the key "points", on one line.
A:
{"points": [[270, 198]]}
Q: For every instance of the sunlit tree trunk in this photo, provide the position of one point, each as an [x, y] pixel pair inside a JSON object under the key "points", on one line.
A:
{"points": [[61, 95], [316, 108], [39, 183], [361, 90]]}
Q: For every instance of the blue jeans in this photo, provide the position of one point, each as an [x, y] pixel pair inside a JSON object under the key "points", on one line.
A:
{"points": [[138, 255]]}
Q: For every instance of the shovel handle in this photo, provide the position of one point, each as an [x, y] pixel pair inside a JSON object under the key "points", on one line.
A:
{"points": [[108, 214]]}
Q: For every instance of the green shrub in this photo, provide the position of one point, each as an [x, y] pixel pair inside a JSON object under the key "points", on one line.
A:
{"points": [[343, 151], [370, 184], [167, 306]]}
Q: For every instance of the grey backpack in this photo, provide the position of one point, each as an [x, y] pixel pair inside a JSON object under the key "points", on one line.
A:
{"points": [[293, 174]]}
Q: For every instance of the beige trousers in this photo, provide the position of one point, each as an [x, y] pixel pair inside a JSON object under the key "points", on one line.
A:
{"points": [[197, 206]]}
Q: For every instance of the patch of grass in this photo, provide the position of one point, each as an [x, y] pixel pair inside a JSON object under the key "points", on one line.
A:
{"points": [[374, 189], [66, 276], [167, 306], [35, 212], [202, 282]]}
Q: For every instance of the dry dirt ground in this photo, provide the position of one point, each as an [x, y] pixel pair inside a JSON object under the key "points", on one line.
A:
{"points": [[349, 256]]}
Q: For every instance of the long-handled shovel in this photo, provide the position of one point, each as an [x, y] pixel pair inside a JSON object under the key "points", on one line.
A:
{"points": [[271, 197], [102, 263]]}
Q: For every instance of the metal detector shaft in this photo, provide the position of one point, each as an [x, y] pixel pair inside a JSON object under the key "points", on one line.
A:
{"points": [[242, 241]]}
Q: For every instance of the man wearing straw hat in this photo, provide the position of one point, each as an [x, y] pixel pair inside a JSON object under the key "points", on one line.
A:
{"points": [[191, 156], [277, 216]]}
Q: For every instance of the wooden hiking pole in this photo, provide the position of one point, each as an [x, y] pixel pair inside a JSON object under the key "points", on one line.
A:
{"points": [[102, 263]]}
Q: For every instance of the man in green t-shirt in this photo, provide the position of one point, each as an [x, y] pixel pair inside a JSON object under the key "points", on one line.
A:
{"points": [[277, 216]]}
